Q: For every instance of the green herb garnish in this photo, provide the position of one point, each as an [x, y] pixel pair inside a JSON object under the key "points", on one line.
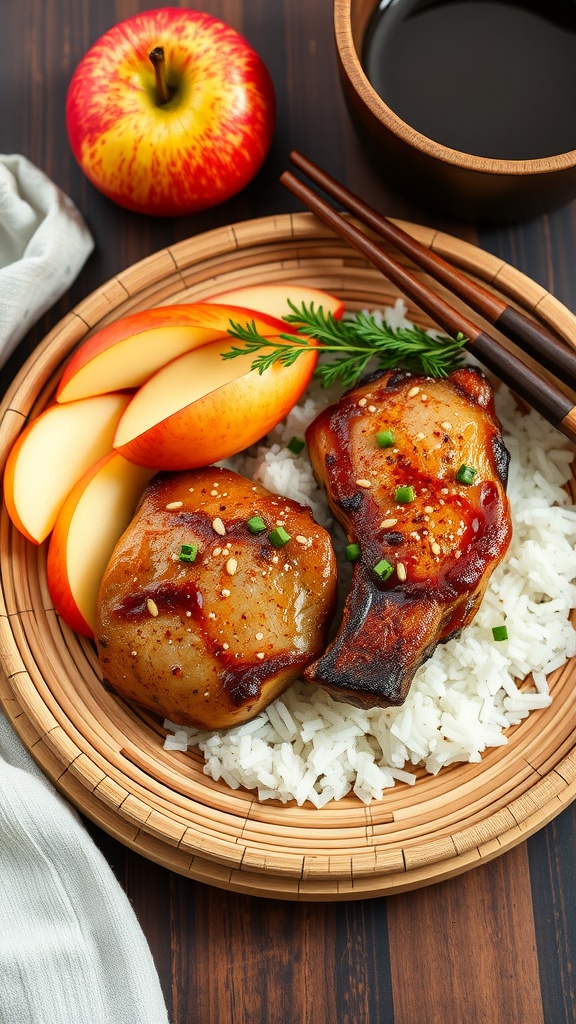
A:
{"points": [[383, 569], [352, 552], [256, 524], [404, 495], [188, 552], [500, 632], [385, 438], [354, 342], [279, 537], [466, 474], [295, 445]]}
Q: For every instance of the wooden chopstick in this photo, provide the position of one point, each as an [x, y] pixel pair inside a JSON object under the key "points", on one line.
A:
{"points": [[538, 342], [541, 394]]}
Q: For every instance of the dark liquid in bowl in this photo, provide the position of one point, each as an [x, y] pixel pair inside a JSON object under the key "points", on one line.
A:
{"points": [[495, 79]]}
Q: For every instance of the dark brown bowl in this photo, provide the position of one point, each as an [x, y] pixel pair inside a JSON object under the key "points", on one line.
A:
{"points": [[456, 183]]}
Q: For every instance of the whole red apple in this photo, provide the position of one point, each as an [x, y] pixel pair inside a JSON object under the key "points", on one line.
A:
{"points": [[170, 112]]}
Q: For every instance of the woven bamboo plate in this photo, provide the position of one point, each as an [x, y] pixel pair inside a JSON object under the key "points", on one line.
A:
{"points": [[108, 757]]}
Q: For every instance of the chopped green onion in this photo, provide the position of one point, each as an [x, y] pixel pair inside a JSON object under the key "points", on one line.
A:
{"points": [[353, 552], [188, 552], [296, 444], [500, 632], [383, 569], [385, 438], [466, 474], [278, 537], [404, 494], [256, 524]]}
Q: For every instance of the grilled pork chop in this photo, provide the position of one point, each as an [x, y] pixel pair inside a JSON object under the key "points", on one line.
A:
{"points": [[206, 610], [415, 469]]}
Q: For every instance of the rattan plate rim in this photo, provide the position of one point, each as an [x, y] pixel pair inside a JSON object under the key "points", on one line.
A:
{"points": [[107, 758]]}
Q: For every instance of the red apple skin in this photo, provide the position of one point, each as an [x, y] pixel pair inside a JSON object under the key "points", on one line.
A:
{"points": [[56, 575], [119, 330], [223, 421], [201, 147], [207, 321], [117, 516]]}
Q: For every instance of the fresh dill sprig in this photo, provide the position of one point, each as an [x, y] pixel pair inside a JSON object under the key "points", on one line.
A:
{"points": [[352, 343]]}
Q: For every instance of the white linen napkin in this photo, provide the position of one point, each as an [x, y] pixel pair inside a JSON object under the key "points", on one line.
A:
{"points": [[44, 242], [71, 948]]}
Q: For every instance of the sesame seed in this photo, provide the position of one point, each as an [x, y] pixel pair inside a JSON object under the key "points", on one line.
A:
{"points": [[213, 494], [446, 425], [174, 504], [424, 398], [371, 408], [413, 392], [231, 566], [436, 549], [387, 522], [134, 654], [259, 636], [217, 551], [218, 526], [420, 436], [428, 509], [211, 615], [286, 566], [301, 539], [191, 490], [261, 655], [225, 646], [152, 607], [363, 483], [225, 593], [362, 402], [444, 490], [401, 570]]}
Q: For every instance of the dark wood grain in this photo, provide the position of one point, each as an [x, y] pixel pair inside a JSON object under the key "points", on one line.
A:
{"points": [[495, 945]]}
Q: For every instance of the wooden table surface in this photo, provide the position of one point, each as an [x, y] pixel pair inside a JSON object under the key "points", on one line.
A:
{"points": [[497, 944]]}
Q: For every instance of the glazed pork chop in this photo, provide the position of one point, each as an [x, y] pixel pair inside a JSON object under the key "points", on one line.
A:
{"points": [[415, 469], [216, 597]]}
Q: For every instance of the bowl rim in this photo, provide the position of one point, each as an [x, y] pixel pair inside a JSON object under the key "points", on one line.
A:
{"points": [[352, 67]]}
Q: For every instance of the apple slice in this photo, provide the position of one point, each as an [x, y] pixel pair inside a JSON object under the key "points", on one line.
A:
{"points": [[201, 408], [51, 454], [125, 353], [272, 298], [93, 518]]}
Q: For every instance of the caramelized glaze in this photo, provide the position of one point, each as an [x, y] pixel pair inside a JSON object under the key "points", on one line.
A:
{"points": [[442, 545], [210, 643]]}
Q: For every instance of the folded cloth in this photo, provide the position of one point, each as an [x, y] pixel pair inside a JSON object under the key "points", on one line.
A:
{"points": [[44, 242], [71, 948]]}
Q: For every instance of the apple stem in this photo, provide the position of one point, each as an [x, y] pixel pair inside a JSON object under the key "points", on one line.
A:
{"points": [[159, 63]]}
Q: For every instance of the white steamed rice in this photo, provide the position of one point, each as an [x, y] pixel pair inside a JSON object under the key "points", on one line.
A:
{"points": [[308, 747]]}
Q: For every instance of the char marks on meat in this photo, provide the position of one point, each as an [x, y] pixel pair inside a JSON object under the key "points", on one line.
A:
{"points": [[442, 545]]}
